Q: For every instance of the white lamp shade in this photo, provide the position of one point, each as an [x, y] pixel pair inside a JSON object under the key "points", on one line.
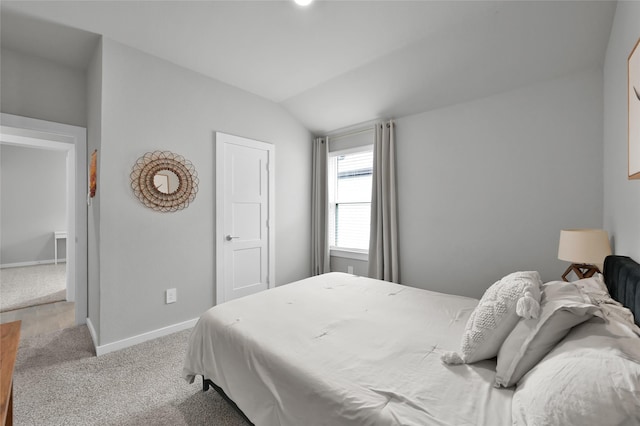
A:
{"points": [[589, 246]]}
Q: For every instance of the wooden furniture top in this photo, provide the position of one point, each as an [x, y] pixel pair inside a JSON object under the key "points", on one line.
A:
{"points": [[10, 335]]}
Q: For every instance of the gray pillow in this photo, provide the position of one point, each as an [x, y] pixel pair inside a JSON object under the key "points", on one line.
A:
{"points": [[563, 306]]}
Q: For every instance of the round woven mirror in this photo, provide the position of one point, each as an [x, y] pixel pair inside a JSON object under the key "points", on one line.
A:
{"points": [[164, 181]]}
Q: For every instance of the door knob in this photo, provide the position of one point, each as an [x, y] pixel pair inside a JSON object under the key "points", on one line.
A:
{"points": [[229, 238]]}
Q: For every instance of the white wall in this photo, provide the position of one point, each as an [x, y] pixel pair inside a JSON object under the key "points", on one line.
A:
{"points": [[621, 196], [39, 88], [485, 187], [33, 201], [149, 104]]}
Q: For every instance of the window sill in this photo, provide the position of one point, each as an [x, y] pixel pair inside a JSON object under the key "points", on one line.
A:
{"points": [[349, 254]]}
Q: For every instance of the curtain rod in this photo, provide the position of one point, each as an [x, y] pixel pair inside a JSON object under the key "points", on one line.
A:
{"points": [[352, 133]]}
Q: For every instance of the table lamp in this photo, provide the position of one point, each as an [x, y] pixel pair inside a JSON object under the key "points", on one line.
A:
{"points": [[584, 248]]}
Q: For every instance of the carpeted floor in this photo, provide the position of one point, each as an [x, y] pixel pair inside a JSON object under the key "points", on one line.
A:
{"points": [[32, 285], [59, 381]]}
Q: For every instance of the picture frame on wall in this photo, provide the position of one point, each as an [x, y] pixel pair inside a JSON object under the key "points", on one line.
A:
{"points": [[634, 111]]}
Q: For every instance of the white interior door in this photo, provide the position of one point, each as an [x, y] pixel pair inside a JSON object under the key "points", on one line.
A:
{"points": [[244, 174]]}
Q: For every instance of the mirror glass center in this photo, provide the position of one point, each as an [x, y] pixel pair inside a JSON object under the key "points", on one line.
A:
{"points": [[166, 181]]}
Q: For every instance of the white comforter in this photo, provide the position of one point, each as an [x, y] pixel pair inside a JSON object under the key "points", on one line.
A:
{"points": [[343, 350]]}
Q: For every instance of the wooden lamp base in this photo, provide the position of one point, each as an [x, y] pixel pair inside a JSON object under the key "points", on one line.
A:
{"points": [[582, 270]]}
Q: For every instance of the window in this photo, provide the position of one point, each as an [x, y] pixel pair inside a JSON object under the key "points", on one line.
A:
{"points": [[350, 175]]}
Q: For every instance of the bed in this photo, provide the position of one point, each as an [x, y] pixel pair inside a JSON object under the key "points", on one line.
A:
{"points": [[338, 349]]}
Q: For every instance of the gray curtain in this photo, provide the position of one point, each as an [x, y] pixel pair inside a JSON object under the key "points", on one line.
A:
{"points": [[383, 242], [319, 208]]}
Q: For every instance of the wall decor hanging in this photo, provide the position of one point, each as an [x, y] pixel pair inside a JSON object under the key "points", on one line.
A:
{"points": [[93, 171], [634, 111], [164, 181]]}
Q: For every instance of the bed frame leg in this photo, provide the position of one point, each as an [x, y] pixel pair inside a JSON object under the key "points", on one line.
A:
{"points": [[205, 384]]}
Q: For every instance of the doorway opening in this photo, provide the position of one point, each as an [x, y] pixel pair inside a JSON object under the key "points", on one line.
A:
{"points": [[33, 226], [50, 142]]}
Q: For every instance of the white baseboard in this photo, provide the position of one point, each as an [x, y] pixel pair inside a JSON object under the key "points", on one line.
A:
{"points": [[130, 341], [31, 263]]}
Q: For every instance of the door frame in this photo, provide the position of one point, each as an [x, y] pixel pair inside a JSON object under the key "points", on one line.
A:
{"points": [[24, 131], [220, 139]]}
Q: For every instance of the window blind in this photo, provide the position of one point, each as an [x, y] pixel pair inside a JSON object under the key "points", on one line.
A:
{"points": [[350, 199]]}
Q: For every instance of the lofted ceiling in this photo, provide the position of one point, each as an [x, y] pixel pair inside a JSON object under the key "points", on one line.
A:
{"points": [[335, 63]]}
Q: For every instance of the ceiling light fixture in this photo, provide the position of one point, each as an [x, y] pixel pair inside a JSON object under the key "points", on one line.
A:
{"points": [[303, 2]]}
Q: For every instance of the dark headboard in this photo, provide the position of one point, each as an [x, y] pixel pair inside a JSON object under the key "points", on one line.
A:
{"points": [[622, 276]]}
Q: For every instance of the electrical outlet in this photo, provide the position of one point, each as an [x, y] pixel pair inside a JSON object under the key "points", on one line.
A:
{"points": [[172, 295], [350, 269]]}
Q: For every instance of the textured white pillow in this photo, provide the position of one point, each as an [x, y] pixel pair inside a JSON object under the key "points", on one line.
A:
{"points": [[514, 296], [592, 377], [563, 306]]}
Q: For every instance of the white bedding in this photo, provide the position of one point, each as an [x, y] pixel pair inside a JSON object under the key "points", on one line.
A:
{"points": [[590, 378], [343, 350]]}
